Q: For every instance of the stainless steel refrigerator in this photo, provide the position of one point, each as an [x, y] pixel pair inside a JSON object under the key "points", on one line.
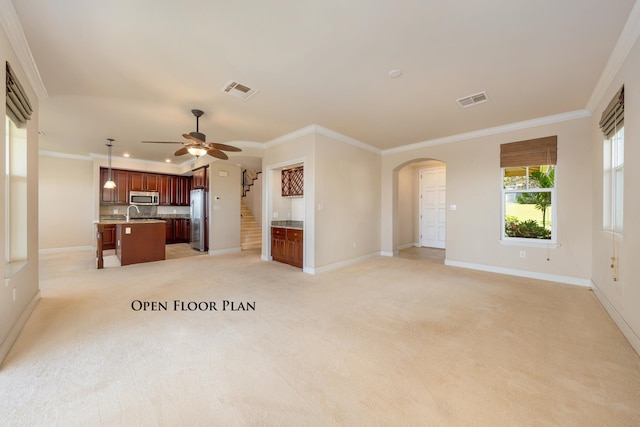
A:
{"points": [[198, 219]]}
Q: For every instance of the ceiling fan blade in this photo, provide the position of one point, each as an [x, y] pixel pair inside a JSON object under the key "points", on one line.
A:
{"points": [[181, 151], [223, 147], [217, 153], [162, 142], [192, 138]]}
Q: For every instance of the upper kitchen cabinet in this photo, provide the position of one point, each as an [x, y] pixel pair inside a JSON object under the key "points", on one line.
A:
{"points": [[164, 188], [201, 177], [142, 181], [293, 182], [183, 191], [118, 195]]}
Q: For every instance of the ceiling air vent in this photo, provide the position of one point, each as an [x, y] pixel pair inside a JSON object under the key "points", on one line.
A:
{"points": [[239, 90], [474, 99]]}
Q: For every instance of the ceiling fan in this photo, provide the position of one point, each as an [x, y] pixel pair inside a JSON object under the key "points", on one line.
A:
{"points": [[196, 143]]}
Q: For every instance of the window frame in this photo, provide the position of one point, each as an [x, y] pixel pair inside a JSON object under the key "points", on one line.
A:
{"points": [[528, 241], [613, 183]]}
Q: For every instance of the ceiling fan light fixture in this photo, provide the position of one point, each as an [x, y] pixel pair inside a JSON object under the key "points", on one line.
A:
{"points": [[197, 151]]}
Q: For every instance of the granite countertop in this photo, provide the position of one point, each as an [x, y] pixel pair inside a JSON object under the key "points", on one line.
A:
{"points": [[121, 219], [131, 221], [298, 225]]}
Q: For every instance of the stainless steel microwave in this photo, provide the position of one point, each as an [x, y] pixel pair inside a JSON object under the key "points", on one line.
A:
{"points": [[147, 198]]}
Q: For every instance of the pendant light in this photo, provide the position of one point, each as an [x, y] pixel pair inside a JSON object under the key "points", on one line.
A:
{"points": [[110, 183]]}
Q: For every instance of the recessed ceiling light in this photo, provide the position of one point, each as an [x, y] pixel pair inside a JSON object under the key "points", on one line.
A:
{"points": [[126, 155], [394, 74], [167, 161]]}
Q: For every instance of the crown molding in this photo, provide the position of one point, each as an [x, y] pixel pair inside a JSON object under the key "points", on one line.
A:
{"points": [[65, 155], [290, 136], [311, 129], [628, 37], [13, 28], [541, 121]]}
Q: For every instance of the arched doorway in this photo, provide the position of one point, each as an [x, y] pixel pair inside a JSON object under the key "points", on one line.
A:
{"points": [[420, 220]]}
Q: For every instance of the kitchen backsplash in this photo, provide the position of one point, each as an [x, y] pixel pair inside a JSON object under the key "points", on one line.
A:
{"points": [[145, 211]]}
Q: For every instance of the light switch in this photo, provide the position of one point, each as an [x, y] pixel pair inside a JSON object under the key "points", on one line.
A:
{"points": [[127, 230], [452, 207]]}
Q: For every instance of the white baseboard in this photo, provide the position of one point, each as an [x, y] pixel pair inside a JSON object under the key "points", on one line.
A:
{"points": [[570, 280], [624, 327], [406, 246], [387, 253], [17, 327], [340, 264], [67, 249], [225, 251]]}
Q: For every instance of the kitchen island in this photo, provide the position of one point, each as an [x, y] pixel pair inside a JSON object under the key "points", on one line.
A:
{"points": [[135, 241]]}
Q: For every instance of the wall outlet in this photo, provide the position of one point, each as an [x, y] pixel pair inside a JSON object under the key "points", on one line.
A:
{"points": [[354, 244], [523, 254], [115, 211], [275, 214]]}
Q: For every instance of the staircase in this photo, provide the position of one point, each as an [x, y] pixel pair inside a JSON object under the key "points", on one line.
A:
{"points": [[250, 230]]}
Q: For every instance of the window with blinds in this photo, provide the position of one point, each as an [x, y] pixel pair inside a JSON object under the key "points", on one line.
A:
{"points": [[612, 126], [16, 190], [528, 189]]}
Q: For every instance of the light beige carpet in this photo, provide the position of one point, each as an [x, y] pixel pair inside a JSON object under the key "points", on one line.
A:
{"points": [[388, 341]]}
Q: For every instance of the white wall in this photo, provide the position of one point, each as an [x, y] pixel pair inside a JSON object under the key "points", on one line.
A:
{"points": [[20, 292], [341, 196], [407, 194], [66, 193], [348, 189], [224, 207], [290, 150], [474, 185], [621, 297]]}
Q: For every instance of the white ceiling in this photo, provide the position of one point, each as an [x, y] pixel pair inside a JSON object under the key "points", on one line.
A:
{"points": [[133, 70]]}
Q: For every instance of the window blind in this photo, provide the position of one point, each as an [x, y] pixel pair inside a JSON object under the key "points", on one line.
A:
{"points": [[531, 152], [613, 116], [18, 106]]}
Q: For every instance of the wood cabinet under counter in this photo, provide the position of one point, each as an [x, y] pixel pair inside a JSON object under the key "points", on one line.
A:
{"points": [[136, 241], [287, 246]]}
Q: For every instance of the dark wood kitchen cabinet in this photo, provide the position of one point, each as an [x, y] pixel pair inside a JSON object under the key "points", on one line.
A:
{"points": [[151, 182], [294, 247], [136, 181], [143, 181], [164, 189], [279, 244], [109, 236], [287, 246], [201, 177], [183, 191], [182, 230], [118, 195], [170, 236], [174, 190], [178, 230]]}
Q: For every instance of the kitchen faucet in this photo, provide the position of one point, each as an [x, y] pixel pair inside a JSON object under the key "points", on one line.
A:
{"points": [[131, 206]]}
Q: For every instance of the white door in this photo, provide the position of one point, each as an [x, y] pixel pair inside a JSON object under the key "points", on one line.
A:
{"points": [[432, 207]]}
